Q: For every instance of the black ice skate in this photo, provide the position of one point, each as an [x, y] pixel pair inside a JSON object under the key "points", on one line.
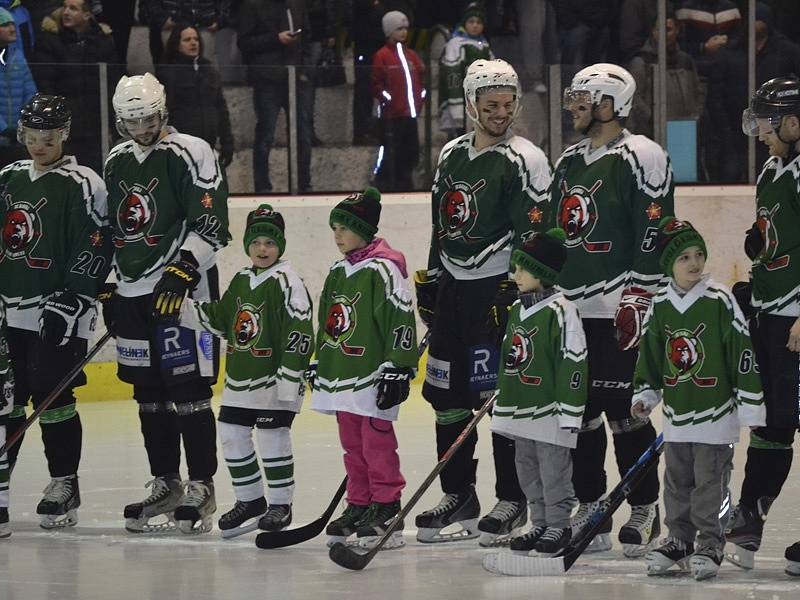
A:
{"points": [[346, 525], [165, 496], [194, 515], [376, 521], [602, 541], [743, 533], [276, 518], [5, 528], [59, 506], [553, 541], [526, 542], [705, 562], [502, 522], [792, 556], [641, 531], [672, 552], [242, 518], [462, 509]]}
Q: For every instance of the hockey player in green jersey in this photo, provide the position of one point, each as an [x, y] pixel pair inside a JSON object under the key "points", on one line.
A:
{"points": [[773, 244], [56, 251], [609, 192], [695, 355], [6, 405], [168, 206], [366, 355], [265, 317], [542, 391], [490, 191]]}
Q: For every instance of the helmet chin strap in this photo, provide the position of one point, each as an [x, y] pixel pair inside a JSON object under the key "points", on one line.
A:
{"points": [[595, 106]]}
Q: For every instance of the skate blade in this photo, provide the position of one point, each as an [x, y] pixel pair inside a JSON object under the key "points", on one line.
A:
{"points": [[70, 519], [495, 540], [240, 530], [432, 535], [508, 563], [637, 550], [341, 539], [600, 543], [5, 531], [203, 525], [741, 557], [677, 569], [792, 568], [395, 541], [144, 525]]}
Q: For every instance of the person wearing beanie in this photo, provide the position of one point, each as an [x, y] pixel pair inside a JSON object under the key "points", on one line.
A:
{"points": [[265, 316], [695, 354], [398, 86], [366, 356], [542, 392]]}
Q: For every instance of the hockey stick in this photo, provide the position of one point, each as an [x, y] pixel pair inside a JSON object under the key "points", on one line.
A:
{"points": [[507, 563], [346, 557], [51, 397]]}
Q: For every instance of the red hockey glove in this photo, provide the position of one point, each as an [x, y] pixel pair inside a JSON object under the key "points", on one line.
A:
{"points": [[629, 318]]}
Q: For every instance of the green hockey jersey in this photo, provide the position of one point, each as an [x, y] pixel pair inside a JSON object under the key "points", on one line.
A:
{"points": [[542, 383], [55, 238], [366, 322], [7, 389], [484, 203], [695, 352], [458, 54], [169, 197], [609, 202], [266, 319], [776, 271]]}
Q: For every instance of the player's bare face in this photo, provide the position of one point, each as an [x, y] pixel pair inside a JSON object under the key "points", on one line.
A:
{"points": [[263, 251], [581, 111], [496, 111], [525, 281], [346, 239], [767, 135], [190, 43], [44, 146], [145, 131], [688, 267]]}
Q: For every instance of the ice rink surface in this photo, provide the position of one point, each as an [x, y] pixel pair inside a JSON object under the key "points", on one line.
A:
{"points": [[98, 560]]}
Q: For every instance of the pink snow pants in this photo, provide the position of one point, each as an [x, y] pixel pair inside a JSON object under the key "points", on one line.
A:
{"points": [[370, 459]]}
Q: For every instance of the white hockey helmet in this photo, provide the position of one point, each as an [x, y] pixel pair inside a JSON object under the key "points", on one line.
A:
{"points": [[483, 74], [137, 99], [602, 79]]}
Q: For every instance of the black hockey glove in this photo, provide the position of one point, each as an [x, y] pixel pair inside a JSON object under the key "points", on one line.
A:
{"points": [[394, 383], [226, 157], [179, 278], [426, 295], [743, 292], [59, 320], [108, 299], [6, 389], [497, 319], [310, 374], [753, 242]]}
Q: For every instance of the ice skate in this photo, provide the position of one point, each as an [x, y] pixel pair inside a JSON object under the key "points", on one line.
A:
{"points": [[461, 509], [641, 531], [5, 528], [502, 523], [276, 518], [59, 506], [523, 544], [670, 553], [195, 513], [553, 541], [705, 562], [743, 533], [602, 541], [242, 518], [792, 556], [165, 496], [346, 525], [376, 521]]}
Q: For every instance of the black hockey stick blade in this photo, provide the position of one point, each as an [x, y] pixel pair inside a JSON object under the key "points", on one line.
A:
{"points": [[290, 537], [423, 344]]}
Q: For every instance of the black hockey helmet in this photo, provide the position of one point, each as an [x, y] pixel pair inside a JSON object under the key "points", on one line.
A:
{"points": [[774, 100]]}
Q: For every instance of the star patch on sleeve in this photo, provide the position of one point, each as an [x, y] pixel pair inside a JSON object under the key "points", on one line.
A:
{"points": [[653, 211]]}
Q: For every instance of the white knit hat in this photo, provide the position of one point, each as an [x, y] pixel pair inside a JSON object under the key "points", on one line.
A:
{"points": [[392, 21]]}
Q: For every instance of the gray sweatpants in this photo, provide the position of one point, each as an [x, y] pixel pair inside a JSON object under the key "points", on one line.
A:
{"points": [[545, 475], [695, 486]]}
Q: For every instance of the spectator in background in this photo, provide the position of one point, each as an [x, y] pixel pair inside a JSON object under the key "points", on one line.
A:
{"points": [[23, 23], [708, 27], [39, 9], [208, 16], [269, 42], [636, 19], [326, 19], [367, 36], [467, 45], [68, 48], [195, 102], [18, 89], [397, 84], [584, 29], [119, 16]]}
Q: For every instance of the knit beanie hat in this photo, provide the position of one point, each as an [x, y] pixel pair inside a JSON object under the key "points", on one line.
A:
{"points": [[5, 17], [268, 222], [474, 9], [360, 213], [675, 236], [543, 255], [392, 21]]}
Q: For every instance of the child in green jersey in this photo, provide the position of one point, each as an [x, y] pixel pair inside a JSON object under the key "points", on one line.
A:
{"points": [[6, 404], [542, 390], [367, 355], [695, 354], [265, 316]]}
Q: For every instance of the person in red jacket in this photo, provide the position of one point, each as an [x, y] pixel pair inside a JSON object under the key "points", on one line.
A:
{"points": [[397, 83]]}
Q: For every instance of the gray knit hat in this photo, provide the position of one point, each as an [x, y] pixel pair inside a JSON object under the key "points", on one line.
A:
{"points": [[392, 21]]}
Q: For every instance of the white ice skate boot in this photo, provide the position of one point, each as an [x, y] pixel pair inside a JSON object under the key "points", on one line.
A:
{"points": [[503, 522], [194, 515], [792, 556], [59, 506], [165, 496], [602, 541], [640, 533], [705, 562], [672, 552], [242, 518], [461, 509], [5, 528]]}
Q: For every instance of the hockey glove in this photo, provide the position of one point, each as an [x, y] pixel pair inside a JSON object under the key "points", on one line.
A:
{"points": [[629, 318], [497, 319], [394, 383], [59, 320], [179, 278], [753, 242], [108, 299], [310, 374], [426, 295], [743, 292]]}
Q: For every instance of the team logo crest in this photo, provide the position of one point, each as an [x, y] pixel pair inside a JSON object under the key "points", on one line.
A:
{"points": [[136, 214], [685, 356], [340, 324], [22, 230], [520, 355], [577, 216], [769, 234], [458, 212], [247, 330]]}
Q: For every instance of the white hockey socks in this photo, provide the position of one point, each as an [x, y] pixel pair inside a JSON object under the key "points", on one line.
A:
{"points": [[240, 456], [275, 446]]}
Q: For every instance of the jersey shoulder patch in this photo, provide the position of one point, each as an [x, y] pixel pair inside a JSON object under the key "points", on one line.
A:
{"points": [[198, 156], [649, 163], [20, 165], [92, 189], [295, 291]]}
